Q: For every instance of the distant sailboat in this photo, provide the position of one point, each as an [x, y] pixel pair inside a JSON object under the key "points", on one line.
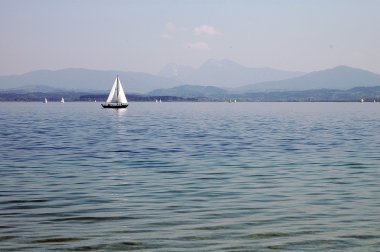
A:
{"points": [[62, 100], [45, 101], [116, 98], [362, 100]]}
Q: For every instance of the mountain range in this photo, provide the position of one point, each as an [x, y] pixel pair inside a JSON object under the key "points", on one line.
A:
{"points": [[219, 73], [340, 77], [85, 80], [215, 79]]}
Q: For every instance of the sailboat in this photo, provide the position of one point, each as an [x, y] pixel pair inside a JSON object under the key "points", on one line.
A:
{"points": [[62, 100], [45, 101], [116, 98]]}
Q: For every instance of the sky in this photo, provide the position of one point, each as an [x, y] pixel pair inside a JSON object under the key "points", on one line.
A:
{"points": [[144, 36]]}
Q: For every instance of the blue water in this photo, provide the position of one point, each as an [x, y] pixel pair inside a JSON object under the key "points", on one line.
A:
{"points": [[190, 177]]}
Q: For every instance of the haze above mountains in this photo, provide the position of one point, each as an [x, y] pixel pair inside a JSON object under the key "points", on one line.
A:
{"points": [[214, 76]]}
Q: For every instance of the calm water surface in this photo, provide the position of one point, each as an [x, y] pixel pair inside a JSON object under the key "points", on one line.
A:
{"points": [[190, 177]]}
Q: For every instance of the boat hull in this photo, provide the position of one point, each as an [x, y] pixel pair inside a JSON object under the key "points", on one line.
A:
{"points": [[115, 106]]}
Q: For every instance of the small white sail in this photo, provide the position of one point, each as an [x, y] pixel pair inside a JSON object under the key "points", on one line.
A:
{"points": [[45, 101], [62, 100]]}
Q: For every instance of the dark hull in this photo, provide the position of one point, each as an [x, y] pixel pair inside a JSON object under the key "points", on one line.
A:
{"points": [[114, 106]]}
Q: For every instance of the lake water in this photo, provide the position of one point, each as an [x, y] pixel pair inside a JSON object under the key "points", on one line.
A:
{"points": [[190, 177]]}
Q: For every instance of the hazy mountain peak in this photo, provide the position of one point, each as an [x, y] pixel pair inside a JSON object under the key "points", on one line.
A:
{"points": [[170, 70], [175, 71], [343, 71], [344, 67], [340, 77], [220, 63], [223, 73]]}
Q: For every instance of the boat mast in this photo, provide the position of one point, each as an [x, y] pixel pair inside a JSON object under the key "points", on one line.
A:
{"points": [[117, 89]]}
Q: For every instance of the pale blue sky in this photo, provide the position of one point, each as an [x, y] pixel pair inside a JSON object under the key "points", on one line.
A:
{"points": [[146, 35]]}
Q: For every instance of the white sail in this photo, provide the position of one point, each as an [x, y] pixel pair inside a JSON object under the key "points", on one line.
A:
{"points": [[117, 93], [112, 93], [62, 100], [121, 95], [45, 101]]}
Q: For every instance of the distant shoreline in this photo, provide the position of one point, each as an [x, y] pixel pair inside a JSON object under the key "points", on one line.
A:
{"points": [[369, 94]]}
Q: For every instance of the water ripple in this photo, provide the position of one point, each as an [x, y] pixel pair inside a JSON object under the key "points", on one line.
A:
{"points": [[190, 177]]}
